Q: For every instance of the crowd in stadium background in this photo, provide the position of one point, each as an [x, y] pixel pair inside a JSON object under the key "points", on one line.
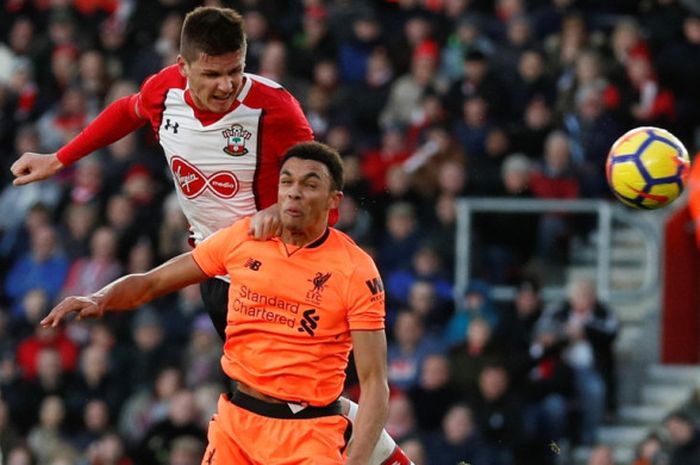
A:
{"points": [[427, 101]]}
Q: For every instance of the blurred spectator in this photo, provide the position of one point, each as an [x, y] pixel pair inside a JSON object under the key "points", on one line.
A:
{"points": [[400, 240], [531, 81], [173, 230], [93, 381], [79, 222], [48, 438], [149, 405], [371, 93], [96, 423], [151, 351], [467, 37], [478, 81], [410, 348], [473, 127], [186, 450], [601, 455], [65, 119], [90, 274], [459, 441], [589, 329], [354, 220], [202, 355], [109, 449], [650, 104], [424, 301], [35, 306], [518, 38], [528, 136], [505, 253], [650, 451], [401, 422], [415, 449], [425, 266], [156, 446], [476, 303], [160, 52], [87, 186], [121, 217], [354, 52], [498, 412], [554, 179], [684, 439], [469, 358], [376, 163], [592, 130], [44, 267], [20, 455], [433, 395], [407, 90], [310, 45], [15, 202]]}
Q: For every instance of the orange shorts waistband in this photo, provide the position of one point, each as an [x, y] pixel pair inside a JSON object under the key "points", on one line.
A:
{"points": [[283, 411]]}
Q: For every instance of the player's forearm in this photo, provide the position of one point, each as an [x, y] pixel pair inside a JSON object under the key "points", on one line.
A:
{"points": [[134, 290], [127, 292], [116, 121], [371, 416]]}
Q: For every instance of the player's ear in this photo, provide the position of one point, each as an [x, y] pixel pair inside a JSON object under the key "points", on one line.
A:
{"points": [[181, 64], [334, 199]]}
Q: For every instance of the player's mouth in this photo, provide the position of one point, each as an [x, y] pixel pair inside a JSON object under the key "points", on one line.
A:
{"points": [[293, 212]]}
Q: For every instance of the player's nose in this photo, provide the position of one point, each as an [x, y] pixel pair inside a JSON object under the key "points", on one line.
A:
{"points": [[225, 85]]}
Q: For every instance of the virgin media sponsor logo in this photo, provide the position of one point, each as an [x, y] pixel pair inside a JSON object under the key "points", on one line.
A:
{"points": [[193, 182]]}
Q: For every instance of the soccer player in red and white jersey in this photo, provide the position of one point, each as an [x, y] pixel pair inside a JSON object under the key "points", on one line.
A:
{"points": [[223, 132]]}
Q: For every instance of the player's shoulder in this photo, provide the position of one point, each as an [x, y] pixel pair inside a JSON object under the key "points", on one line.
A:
{"points": [[265, 93], [167, 78], [345, 244], [236, 231]]}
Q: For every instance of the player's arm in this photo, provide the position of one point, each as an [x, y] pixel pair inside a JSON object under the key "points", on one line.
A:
{"points": [[369, 348], [116, 121], [131, 291]]}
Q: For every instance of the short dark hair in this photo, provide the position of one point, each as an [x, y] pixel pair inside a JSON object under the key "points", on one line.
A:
{"points": [[321, 153], [213, 31]]}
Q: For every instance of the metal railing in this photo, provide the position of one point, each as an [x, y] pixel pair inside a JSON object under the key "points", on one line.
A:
{"points": [[649, 224]]}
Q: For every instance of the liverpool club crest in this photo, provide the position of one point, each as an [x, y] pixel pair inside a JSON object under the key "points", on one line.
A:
{"points": [[236, 138]]}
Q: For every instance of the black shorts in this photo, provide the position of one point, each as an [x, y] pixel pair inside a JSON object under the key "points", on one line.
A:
{"points": [[215, 297]]}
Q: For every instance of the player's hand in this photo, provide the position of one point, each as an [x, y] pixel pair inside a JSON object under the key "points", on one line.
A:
{"points": [[85, 307], [266, 224], [32, 167]]}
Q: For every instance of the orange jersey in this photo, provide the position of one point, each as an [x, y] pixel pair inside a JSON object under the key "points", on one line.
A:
{"points": [[290, 314]]}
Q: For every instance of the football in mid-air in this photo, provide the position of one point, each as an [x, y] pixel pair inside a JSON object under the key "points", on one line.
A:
{"points": [[647, 168]]}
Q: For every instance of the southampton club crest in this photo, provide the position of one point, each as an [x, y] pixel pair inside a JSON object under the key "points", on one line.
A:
{"points": [[236, 138]]}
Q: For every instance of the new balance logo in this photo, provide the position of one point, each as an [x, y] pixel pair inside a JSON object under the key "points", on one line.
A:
{"points": [[375, 285], [168, 126], [309, 322], [253, 264]]}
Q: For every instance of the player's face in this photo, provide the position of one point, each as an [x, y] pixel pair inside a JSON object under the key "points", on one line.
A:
{"points": [[305, 195], [214, 81]]}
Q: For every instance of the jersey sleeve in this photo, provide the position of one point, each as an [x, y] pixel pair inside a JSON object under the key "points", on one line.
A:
{"points": [[366, 297], [294, 127], [211, 255]]}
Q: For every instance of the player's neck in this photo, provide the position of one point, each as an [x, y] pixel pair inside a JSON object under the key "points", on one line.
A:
{"points": [[303, 237]]}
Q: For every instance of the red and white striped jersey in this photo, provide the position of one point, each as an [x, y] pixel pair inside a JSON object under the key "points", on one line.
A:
{"points": [[224, 166]]}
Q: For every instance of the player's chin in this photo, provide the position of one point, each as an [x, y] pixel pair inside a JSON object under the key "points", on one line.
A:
{"points": [[217, 105]]}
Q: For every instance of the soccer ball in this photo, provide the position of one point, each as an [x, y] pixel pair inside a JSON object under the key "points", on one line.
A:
{"points": [[647, 168]]}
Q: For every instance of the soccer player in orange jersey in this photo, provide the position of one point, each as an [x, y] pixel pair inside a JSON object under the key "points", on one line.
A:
{"points": [[297, 305]]}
